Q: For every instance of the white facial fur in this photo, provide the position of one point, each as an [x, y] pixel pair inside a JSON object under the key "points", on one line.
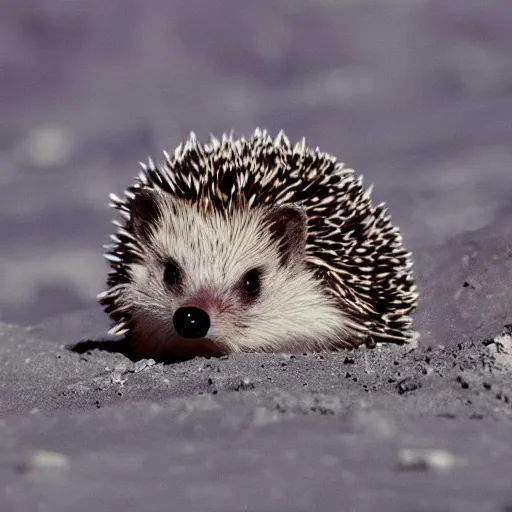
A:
{"points": [[214, 252]]}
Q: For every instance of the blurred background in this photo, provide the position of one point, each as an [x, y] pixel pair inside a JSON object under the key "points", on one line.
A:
{"points": [[414, 94]]}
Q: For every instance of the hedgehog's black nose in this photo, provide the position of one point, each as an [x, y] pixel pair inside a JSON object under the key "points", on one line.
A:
{"points": [[191, 322]]}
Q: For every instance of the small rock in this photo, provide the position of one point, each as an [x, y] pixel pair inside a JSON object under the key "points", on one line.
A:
{"points": [[424, 460], [407, 385], [143, 364], [43, 459]]}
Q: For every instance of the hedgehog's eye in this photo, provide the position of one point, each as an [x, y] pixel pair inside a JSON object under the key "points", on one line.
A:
{"points": [[251, 283], [172, 274]]}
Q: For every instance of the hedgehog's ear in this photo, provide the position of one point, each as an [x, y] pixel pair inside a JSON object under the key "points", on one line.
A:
{"points": [[144, 213], [288, 225]]}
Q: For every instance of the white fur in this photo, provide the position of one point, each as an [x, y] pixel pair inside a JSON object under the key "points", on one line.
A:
{"points": [[293, 312]]}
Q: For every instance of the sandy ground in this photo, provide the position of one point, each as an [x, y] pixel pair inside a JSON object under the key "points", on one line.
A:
{"points": [[415, 95]]}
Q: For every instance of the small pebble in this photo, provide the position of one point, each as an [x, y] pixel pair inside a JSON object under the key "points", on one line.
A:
{"points": [[42, 459], [424, 460]]}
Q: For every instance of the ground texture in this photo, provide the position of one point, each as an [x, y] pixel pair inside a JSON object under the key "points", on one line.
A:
{"points": [[417, 96]]}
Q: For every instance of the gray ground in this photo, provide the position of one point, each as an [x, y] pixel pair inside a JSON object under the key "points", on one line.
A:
{"points": [[417, 96]]}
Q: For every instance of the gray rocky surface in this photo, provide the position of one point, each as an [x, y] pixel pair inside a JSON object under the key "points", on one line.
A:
{"points": [[417, 95], [396, 428]]}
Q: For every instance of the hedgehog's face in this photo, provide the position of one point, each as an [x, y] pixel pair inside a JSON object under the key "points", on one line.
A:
{"points": [[211, 283]]}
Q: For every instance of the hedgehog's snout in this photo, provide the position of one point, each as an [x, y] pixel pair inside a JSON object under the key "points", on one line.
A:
{"points": [[191, 322]]}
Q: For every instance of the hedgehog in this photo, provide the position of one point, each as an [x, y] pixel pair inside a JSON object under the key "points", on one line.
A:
{"points": [[254, 245]]}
